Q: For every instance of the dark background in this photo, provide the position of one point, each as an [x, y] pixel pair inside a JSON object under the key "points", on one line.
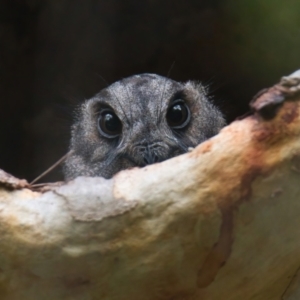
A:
{"points": [[53, 54]]}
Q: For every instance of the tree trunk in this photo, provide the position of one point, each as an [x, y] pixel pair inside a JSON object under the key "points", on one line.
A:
{"points": [[220, 222]]}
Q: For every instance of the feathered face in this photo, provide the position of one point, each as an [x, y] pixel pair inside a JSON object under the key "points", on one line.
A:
{"points": [[140, 120]]}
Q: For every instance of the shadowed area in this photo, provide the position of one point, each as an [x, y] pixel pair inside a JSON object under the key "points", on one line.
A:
{"points": [[54, 53]]}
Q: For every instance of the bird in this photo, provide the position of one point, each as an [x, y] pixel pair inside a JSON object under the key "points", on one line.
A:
{"points": [[137, 121]]}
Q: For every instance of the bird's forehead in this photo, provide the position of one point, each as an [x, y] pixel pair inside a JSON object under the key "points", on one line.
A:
{"points": [[144, 93]]}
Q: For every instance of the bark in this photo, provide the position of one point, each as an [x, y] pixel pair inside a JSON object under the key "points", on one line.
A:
{"points": [[220, 222]]}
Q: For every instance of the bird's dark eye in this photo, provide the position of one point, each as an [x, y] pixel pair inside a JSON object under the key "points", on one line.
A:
{"points": [[109, 125], [178, 115]]}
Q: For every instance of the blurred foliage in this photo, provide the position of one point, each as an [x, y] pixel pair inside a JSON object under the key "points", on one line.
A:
{"points": [[264, 36]]}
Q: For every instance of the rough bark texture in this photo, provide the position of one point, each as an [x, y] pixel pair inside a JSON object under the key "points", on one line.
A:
{"points": [[221, 222]]}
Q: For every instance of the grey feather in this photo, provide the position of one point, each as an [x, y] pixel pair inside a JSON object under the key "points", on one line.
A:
{"points": [[141, 103]]}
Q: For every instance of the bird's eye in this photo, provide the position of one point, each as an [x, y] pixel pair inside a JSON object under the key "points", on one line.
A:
{"points": [[109, 125], [178, 115]]}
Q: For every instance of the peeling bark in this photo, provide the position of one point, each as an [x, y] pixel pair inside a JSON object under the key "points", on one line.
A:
{"points": [[220, 222]]}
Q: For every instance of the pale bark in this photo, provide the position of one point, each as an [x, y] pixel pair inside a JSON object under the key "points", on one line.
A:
{"points": [[220, 222]]}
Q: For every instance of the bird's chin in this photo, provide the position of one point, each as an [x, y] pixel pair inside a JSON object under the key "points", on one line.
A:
{"points": [[143, 161], [127, 161], [122, 164]]}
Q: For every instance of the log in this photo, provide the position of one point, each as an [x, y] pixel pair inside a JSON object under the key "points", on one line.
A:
{"points": [[220, 222]]}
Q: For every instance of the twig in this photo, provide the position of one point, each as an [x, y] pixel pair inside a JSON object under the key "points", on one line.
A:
{"points": [[51, 168]]}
